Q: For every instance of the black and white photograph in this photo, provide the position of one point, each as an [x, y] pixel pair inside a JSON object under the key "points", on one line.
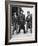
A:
{"points": [[21, 22]]}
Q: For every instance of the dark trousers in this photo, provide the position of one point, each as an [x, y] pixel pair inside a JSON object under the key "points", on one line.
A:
{"points": [[22, 27], [29, 26]]}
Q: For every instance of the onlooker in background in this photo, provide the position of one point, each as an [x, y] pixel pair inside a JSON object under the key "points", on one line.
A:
{"points": [[29, 21]]}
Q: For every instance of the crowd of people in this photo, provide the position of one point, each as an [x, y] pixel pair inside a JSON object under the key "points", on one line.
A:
{"points": [[19, 20]]}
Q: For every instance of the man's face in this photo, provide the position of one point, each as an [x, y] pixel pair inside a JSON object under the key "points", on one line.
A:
{"points": [[28, 13], [15, 15]]}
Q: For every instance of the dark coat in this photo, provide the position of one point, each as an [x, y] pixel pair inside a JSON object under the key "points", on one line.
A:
{"points": [[21, 20], [29, 21], [14, 20]]}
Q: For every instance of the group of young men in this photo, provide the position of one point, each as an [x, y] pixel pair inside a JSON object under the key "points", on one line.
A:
{"points": [[19, 21]]}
